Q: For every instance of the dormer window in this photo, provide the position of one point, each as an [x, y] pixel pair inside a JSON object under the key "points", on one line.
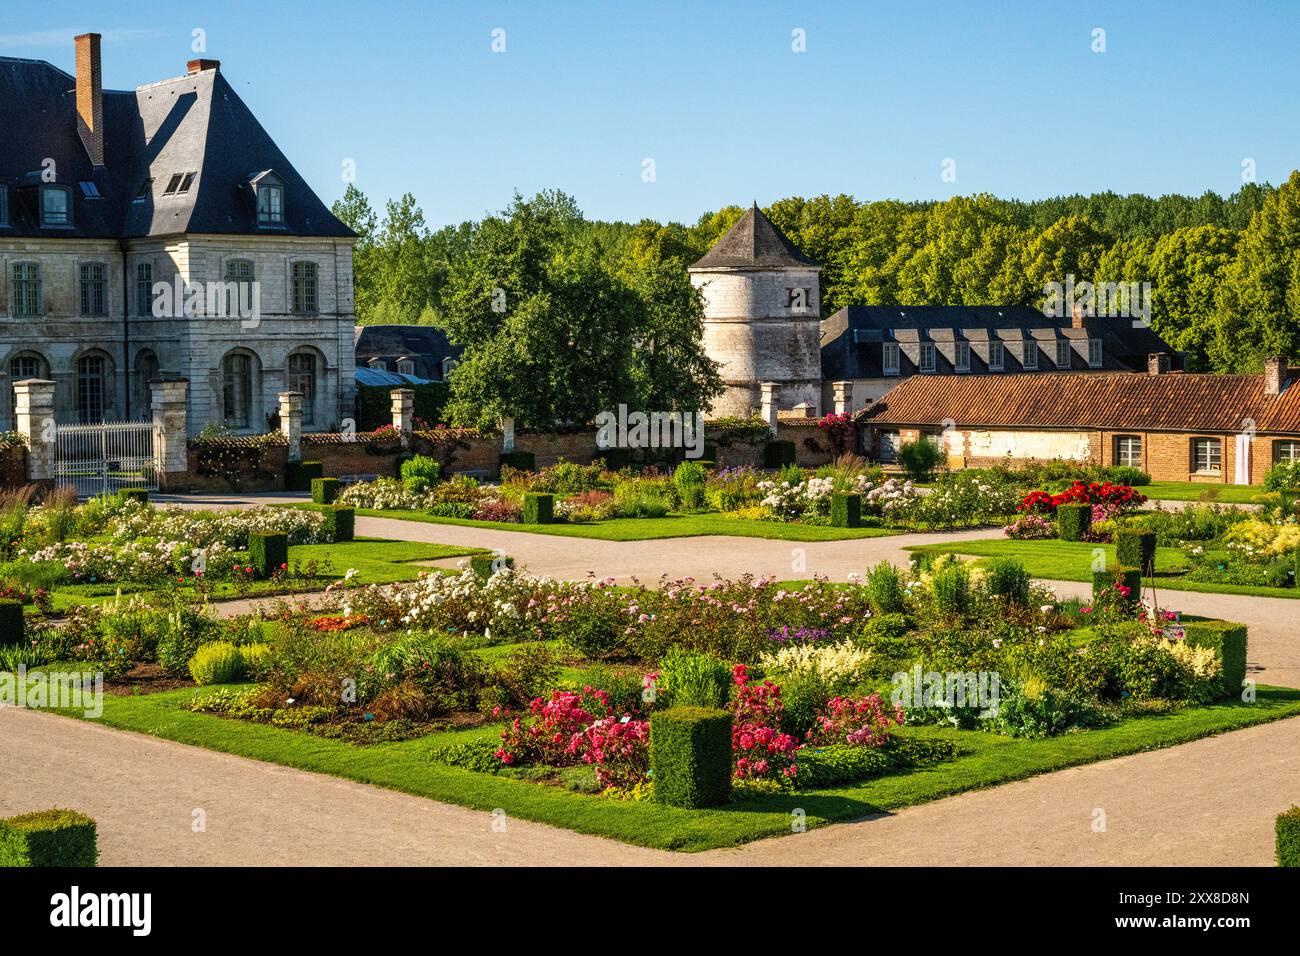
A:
{"points": [[89, 189], [146, 187], [270, 206], [179, 184], [405, 367], [56, 206]]}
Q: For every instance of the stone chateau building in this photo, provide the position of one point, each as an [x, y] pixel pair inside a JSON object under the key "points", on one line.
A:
{"points": [[763, 324], [104, 195]]}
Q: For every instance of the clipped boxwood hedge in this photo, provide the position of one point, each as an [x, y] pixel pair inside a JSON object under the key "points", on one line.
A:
{"points": [[1228, 639], [12, 627], [484, 564], [846, 511], [268, 552], [539, 508], [690, 756], [324, 490], [1288, 837], [616, 459], [778, 453], [340, 523], [522, 460], [135, 494], [1073, 522], [1135, 548], [48, 838], [1129, 577], [298, 474]]}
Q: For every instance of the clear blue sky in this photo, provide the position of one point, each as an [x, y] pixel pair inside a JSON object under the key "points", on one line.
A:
{"points": [[714, 94]]}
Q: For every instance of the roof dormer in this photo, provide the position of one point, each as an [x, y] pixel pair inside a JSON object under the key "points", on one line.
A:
{"points": [[268, 195]]}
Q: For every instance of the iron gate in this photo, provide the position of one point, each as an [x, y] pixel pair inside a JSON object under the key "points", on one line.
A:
{"points": [[104, 458]]}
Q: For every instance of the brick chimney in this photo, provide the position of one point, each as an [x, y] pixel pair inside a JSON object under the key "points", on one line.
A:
{"points": [[1158, 363], [1078, 316], [90, 97], [198, 66], [1274, 376]]}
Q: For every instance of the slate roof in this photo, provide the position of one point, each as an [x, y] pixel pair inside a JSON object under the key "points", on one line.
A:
{"points": [[426, 344], [851, 338], [754, 243], [1174, 401], [194, 123]]}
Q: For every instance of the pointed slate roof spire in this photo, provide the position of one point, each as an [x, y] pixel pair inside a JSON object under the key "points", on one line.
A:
{"points": [[754, 243]]}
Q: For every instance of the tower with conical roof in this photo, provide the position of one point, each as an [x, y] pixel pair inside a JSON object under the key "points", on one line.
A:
{"points": [[762, 316]]}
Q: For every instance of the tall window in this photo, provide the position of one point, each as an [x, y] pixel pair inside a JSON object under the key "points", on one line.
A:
{"points": [[1286, 451], [94, 289], [1063, 354], [302, 378], [890, 358], [1029, 354], [56, 206], [144, 288], [963, 356], [304, 288], [1128, 450], [1207, 455], [1094, 353], [995, 356], [240, 271], [927, 356], [146, 370], [270, 205], [90, 389], [237, 389], [27, 289]]}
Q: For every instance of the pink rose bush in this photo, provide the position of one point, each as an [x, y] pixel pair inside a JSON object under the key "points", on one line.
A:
{"points": [[863, 721], [761, 750]]}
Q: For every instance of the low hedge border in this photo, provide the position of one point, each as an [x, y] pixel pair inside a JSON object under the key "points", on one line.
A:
{"points": [[846, 511], [485, 564], [690, 756], [1136, 549], [522, 460], [1228, 639], [324, 490], [778, 453], [48, 838], [340, 523], [1073, 521], [135, 494], [299, 474], [12, 628], [538, 508], [268, 552], [1288, 837]]}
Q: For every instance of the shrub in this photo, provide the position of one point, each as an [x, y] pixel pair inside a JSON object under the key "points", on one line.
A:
{"points": [[616, 459], [298, 475], [1228, 640], [778, 454], [268, 552], [690, 756], [420, 472], [919, 458], [539, 508], [340, 523], [48, 838], [1288, 837], [1126, 475], [135, 494], [11, 622], [804, 695], [1073, 521], [951, 588], [520, 460], [692, 496], [885, 589], [217, 663], [324, 490], [690, 473], [693, 679], [846, 511], [256, 659], [1130, 578], [1136, 548], [1283, 474], [485, 565], [1009, 580]]}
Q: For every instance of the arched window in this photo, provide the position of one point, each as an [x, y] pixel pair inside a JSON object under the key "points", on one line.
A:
{"points": [[146, 370], [92, 376], [237, 389], [23, 366], [302, 378], [304, 288]]}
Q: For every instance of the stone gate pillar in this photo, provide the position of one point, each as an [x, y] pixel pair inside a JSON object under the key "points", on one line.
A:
{"points": [[291, 423], [403, 413], [771, 392], [842, 393], [171, 450], [34, 420]]}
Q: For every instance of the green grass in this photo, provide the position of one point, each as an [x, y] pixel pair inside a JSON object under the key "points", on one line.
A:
{"points": [[645, 529], [1195, 490], [376, 560], [1072, 561], [984, 760]]}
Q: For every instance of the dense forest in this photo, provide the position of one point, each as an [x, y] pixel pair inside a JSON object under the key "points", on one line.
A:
{"points": [[1224, 272]]}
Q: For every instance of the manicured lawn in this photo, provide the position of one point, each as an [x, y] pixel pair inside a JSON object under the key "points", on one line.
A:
{"points": [[376, 561], [1072, 561], [984, 760], [1197, 491], [645, 529]]}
